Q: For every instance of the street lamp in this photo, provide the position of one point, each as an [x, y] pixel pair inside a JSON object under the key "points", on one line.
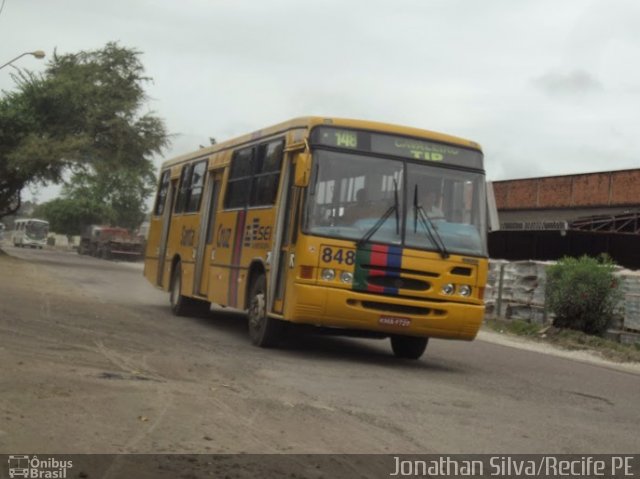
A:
{"points": [[39, 54]]}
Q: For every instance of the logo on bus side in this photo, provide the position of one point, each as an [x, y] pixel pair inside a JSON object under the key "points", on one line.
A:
{"points": [[256, 236]]}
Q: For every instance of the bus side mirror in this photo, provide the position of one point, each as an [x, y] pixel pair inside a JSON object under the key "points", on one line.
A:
{"points": [[302, 169]]}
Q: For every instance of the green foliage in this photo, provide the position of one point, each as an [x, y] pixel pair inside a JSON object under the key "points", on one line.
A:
{"points": [[70, 215], [83, 116], [16, 123], [583, 293], [122, 194]]}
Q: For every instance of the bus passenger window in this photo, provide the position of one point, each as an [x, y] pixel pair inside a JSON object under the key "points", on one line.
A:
{"points": [[162, 194], [239, 181], [196, 187], [266, 177], [183, 191]]}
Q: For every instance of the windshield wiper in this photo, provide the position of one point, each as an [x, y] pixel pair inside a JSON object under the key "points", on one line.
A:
{"points": [[434, 236], [371, 231]]}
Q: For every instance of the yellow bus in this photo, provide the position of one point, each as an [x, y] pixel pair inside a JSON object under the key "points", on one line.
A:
{"points": [[358, 227]]}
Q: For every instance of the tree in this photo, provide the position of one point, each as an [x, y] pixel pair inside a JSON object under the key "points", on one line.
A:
{"points": [[70, 215], [83, 115], [15, 124], [116, 198]]}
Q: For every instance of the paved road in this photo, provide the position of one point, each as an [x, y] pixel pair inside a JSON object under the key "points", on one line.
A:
{"points": [[93, 361]]}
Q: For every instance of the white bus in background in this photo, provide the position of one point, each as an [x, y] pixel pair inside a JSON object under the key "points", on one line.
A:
{"points": [[30, 232]]}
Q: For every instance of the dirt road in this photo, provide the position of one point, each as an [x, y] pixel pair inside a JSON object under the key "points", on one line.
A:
{"points": [[93, 362]]}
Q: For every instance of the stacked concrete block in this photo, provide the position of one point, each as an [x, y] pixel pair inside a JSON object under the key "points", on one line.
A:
{"points": [[493, 279], [630, 287], [516, 290]]}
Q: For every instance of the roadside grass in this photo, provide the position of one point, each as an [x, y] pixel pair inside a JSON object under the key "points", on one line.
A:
{"points": [[566, 339]]}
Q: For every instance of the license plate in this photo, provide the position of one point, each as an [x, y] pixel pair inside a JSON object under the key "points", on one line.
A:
{"points": [[394, 321]]}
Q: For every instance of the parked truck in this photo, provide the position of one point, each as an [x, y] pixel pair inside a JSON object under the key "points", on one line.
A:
{"points": [[110, 242]]}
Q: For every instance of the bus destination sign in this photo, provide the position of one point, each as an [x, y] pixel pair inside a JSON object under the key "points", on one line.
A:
{"points": [[404, 147]]}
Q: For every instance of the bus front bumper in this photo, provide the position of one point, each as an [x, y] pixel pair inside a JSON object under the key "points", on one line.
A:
{"points": [[347, 309]]}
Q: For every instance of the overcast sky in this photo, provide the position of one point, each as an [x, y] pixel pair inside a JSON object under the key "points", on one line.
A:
{"points": [[545, 86]]}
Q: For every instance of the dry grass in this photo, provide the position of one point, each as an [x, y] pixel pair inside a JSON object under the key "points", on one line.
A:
{"points": [[567, 339]]}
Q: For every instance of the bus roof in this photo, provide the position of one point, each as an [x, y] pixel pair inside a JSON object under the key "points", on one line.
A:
{"points": [[309, 122], [25, 220]]}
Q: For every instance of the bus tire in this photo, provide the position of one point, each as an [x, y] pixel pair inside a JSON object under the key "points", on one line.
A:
{"points": [[179, 303], [408, 347], [264, 331], [183, 305]]}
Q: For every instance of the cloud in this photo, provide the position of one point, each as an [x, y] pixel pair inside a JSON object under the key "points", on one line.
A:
{"points": [[574, 82]]}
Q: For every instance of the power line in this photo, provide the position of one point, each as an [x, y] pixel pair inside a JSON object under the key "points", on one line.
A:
{"points": [[2, 6]]}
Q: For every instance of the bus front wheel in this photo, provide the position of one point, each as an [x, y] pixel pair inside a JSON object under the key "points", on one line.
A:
{"points": [[264, 331], [408, 347]]}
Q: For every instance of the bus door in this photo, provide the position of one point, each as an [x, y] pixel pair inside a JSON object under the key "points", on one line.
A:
{"points": [[205, 241], [164, 238], [285, 242]]}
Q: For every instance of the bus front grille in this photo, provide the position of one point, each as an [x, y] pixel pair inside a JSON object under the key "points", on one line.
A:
{"points": [[393, 271], [398, 283]]}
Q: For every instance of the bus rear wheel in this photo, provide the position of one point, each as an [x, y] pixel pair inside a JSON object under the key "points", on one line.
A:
{"points": [[408, 347], [264, 331], [183, 305]]}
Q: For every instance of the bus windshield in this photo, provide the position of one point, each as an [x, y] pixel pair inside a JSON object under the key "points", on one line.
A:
{"points": [[399, 202], [37, 229]]}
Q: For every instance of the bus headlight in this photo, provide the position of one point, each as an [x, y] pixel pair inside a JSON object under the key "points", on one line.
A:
{"points": [[464, 290], [448, 289], [346, 277], [328, 274]]}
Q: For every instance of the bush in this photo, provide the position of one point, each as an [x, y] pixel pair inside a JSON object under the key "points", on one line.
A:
{"points": [[583, 293]]}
